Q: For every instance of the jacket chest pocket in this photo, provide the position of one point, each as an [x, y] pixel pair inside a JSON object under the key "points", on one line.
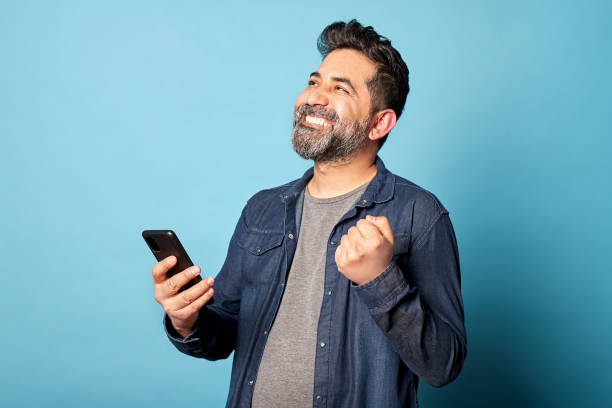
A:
{"points": [[263, 255]]}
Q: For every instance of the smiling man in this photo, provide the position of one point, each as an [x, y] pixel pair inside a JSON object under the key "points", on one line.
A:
{"points": [[341, 288]]}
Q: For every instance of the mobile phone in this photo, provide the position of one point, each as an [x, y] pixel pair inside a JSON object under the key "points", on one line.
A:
{"points": [[164, 243]]}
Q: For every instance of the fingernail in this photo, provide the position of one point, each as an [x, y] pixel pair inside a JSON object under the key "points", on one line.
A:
{"points": [[195, 271], [370, 218], [210, 280], [170, 260]]}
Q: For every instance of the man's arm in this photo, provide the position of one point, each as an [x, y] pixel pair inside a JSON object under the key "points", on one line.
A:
{"points": [[214, 335], [417, 303]]}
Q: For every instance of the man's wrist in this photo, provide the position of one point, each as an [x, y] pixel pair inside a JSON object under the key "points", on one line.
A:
{"points": [[180, 333], [183, 332]]}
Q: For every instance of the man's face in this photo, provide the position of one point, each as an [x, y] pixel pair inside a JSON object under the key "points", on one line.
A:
{"points": [[332, 115]]}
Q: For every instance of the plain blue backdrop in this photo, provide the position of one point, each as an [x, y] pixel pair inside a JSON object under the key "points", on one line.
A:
{"points": [[121, 116]]}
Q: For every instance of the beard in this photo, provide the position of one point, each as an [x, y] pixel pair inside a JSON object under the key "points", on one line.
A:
{"points": [[336, 143]]}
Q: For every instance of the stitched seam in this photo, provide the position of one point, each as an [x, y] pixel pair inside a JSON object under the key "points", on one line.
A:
{"points": [[429, 194], [421, 240]]}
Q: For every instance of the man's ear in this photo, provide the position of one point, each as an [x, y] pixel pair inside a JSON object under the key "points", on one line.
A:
{"points": [[382, 124]]}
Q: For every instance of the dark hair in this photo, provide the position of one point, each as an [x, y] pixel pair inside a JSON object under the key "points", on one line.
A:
{"points": [[389, 86]]}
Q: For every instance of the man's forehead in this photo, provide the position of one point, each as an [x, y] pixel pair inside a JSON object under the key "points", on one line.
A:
{"points": [[348, 63]]}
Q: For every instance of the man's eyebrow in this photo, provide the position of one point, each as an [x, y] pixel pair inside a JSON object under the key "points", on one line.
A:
{"points": [[345, 81], [337, 79]]}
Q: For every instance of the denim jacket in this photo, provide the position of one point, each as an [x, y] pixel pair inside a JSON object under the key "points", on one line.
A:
{"points": [[375, 340]]}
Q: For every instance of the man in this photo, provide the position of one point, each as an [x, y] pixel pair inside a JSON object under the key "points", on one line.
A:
{"points": [[341, 288]]}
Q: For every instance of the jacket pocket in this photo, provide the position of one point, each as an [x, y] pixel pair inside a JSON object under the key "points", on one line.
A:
{"points": [[260, 242], [263, 255]]}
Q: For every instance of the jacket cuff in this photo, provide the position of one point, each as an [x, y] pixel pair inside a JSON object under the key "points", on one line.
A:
{"points": [[384, 291], [175, 337]]}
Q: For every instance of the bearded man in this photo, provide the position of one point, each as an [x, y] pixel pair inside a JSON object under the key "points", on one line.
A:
{"points": [[341, 288]]}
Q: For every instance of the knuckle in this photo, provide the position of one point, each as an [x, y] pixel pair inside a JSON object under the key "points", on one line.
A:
{"points": [[171, 285], [359, 250], [187, 298]]}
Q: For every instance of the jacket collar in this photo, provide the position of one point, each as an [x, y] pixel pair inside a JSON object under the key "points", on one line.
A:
{"points": [[380, 189]]}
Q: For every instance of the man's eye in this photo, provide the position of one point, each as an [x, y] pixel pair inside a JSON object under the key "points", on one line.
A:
{"points": [[338, 87], [311, 83]]}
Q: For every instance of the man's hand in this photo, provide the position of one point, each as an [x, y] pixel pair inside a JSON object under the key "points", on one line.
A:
{"points": [[366, 250], [182, 308]]}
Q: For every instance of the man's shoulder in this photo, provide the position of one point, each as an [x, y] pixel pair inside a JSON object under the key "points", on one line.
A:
{"points": [[272, 194], [408, 191], [263, 208], [414, 209]]}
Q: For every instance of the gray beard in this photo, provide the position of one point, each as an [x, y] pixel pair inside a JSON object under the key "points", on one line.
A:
{"points": [[338, 144]]}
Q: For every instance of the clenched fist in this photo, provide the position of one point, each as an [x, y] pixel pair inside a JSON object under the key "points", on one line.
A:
{"points": [[366, 250]]}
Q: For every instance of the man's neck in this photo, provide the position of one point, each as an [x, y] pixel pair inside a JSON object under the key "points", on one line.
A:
{"points": [[332, 179]]}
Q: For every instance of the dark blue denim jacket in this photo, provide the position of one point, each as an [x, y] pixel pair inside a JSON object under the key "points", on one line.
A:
{"points": [[375, 340]]}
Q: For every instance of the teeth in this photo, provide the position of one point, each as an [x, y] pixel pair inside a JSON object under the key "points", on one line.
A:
{"points": [[317, 121]]}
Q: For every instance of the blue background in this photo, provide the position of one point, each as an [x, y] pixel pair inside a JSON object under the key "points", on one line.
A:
{"points": [[121, 116]]}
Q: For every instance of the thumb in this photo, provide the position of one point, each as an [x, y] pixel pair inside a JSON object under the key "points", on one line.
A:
{"points": [[383, 225]]}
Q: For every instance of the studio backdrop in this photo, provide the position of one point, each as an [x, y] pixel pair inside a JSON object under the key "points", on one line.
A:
{"points": [[117, 117]]}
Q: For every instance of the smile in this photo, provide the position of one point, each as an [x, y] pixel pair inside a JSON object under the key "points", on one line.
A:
{"points": [[317, 121]]}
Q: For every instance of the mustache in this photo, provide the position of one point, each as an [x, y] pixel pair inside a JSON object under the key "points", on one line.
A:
{"points": [[306, 109]]}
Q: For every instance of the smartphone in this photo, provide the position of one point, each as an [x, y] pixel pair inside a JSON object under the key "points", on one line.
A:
{"points": [[164, 243]]}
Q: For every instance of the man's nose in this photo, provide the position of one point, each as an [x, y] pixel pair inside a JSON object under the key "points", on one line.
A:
{"points": [[317, 96]]}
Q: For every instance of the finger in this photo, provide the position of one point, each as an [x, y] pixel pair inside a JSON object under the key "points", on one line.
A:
{"points": [[337, 254], [345, 243], [163, 266], [355, 235], [185, 298], [383, 225], [196, 305], [350, 249], [340, 258], [172, 285], [368, 229]]}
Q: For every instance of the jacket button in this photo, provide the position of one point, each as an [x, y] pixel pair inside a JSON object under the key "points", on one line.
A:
{"points": [[250, 383], [290, 236]]}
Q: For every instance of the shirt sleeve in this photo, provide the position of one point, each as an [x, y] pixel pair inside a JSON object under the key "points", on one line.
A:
{"points": [[417, 303]]}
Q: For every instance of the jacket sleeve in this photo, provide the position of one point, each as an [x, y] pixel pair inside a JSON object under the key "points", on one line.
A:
{"points": [[214, 335], [417, 303]]}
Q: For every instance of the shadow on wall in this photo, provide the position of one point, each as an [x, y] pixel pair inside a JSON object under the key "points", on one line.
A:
{"points": [[497, 372], [515, 282]]}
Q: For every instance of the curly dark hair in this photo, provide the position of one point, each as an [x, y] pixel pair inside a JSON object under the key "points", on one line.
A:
{"points": [[389, 86]]}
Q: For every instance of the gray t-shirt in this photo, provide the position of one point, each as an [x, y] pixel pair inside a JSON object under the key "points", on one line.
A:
{"points": [[286, 371]]}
